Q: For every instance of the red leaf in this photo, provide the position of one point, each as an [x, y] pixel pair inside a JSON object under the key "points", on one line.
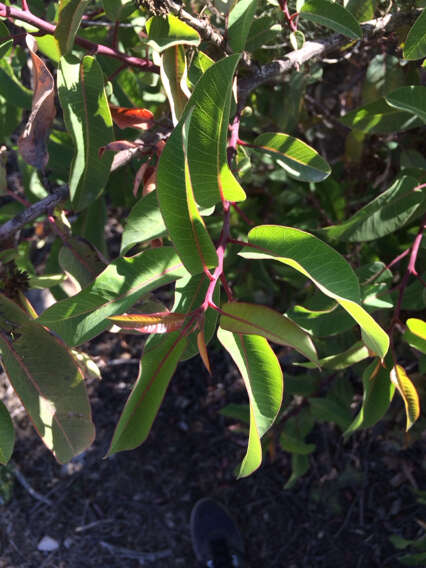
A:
{"points": [[201, 343], [160, 322], [32, 143], [139, 118], [118, 146]]}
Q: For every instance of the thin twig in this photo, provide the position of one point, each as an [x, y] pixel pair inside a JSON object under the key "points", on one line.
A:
{"points": [[9, 228], [141, 556], [35, 494]]}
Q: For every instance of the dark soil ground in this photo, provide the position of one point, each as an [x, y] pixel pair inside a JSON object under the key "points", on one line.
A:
{"points": [[133, 509]]}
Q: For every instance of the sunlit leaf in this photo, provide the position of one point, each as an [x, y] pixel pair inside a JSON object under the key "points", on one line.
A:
{"points": [[32, 143], [415, 334], [175, 190], [7, 434], [160, 322], [69, 17], [331, 15], [169, 31], [263, 379], [80, 259], [380, 118], [411, 99], [139, 118], [115, 290], [156, 370], [408, 393], [240, 19], [117, 10], [241, 317], [88, 119], [358, 352], [415, 43], [173, 73], [298, 159], [203, 350], [362, 10], [48, 382], [327, 269]]}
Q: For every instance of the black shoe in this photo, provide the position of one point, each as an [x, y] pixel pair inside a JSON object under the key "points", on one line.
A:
{"points": [[216, 539]]}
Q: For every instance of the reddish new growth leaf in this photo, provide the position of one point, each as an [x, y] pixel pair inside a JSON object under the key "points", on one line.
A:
{"points": [[160, 322], [202, 348], [139, 118], [118, 146], [32, 143]]}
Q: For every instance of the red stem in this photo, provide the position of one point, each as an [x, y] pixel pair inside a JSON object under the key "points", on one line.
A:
{"points": [[96, 48], [289, 18]]}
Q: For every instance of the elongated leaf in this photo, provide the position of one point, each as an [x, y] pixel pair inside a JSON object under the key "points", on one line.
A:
{"points": [[299, 466], [239, 412], [327, 269], [88, 120], [408, 393], [48, 382], [69, 18], [240, 19], [167, 32], [388, 212], [263, 379], [156, 370], [11, 88], [295, 445], [377, 396], [362, 10], [7, 435], [32, 143], [80, 259], [173, 73], [298, 159], [160, 322], [240, 317], [411, 99], [177, 203], [199, 65], [415, 43], [115, 290], [144, 223], [415, 334], [210, 105], [380, 118], [358, 352], [331, 15]]}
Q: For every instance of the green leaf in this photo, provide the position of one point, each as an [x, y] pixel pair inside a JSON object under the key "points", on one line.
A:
{"points": [[329, 410], [239, 412], [298, 159], [408, 393], [80, 259], [115, 290], [413, 559], [117, 10], [199, 65], [362, 10], [166, 32], [358, 352], [263, 379], [327, 269], [7, 435], [173, 76], [330, 15], [377, 396], [144, 223], [179, 209], [415, 334], [295, 445], [380, 118], [47, 380], [388, 212], [411, 99], [88, 120], [415, 43], [69, 17], [240, 19], [299, 466], [241, 317], [210, 104], [156, 370]]}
